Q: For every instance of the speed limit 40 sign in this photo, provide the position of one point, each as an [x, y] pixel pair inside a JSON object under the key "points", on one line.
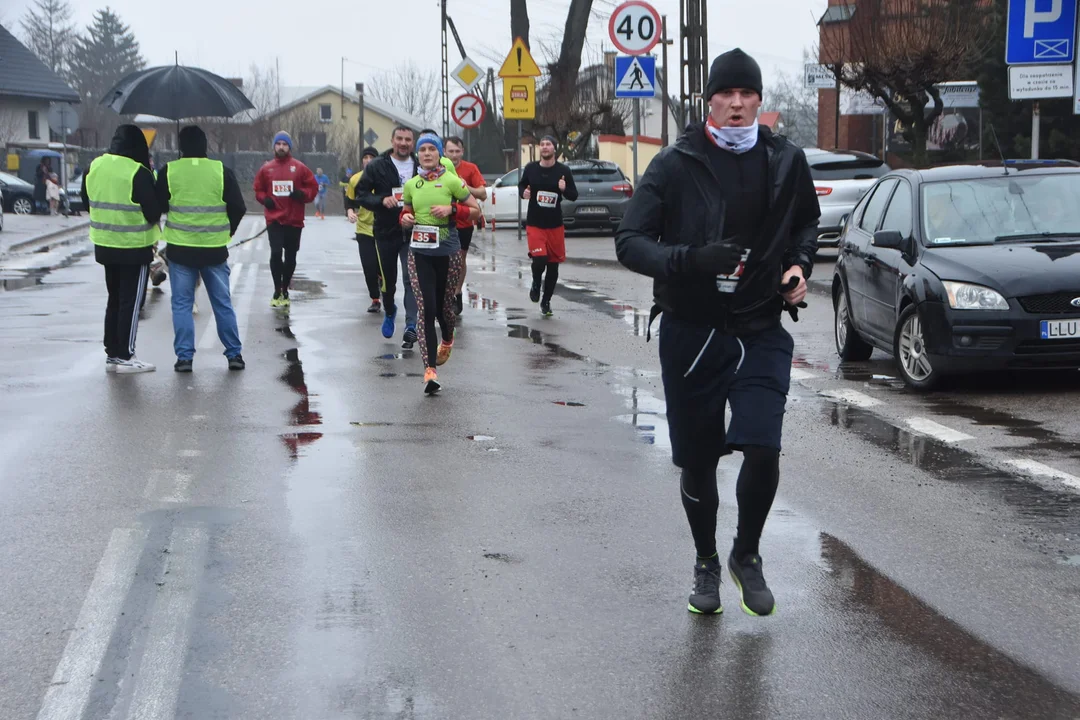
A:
{"points": [[635, 27]]}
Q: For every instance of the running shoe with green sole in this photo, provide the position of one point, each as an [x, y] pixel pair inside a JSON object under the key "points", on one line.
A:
{"points": [[754, 595], [705, 597]]}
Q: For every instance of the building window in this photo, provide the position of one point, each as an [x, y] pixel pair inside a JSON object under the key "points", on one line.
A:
{"points": [[325, 112], [32, 121], [320, 142]]}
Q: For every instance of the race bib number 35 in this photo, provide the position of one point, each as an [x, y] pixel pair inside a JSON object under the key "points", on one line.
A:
{"points": [[424, 237], [546, 199], [281, 188]]}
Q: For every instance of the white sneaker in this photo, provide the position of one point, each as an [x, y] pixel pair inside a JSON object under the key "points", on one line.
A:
{"points": [[134, 365], [111, 364]]}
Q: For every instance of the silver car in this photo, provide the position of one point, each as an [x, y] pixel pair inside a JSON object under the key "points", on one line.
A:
{"points": [[841, 178]]}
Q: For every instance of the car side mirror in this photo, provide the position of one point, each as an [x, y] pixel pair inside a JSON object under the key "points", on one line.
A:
{"points": [[892, 239]]}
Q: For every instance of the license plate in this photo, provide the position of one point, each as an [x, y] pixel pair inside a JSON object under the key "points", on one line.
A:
{"points": [[592, 210], [1059, 329]]}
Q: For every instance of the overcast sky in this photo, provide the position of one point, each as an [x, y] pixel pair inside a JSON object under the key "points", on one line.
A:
{"points": [[310, 38]]}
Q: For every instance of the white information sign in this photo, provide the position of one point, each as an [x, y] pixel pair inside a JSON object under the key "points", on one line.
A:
{"points": [[818, 77], [1040, 82]]}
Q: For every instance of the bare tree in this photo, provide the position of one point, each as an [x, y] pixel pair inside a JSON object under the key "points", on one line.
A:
{"points": [[48, 32], [519, 21], [409, 89], [798, 108], [12, 123], [898, 50]]}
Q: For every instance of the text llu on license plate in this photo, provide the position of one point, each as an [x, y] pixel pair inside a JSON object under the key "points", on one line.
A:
{"points": [[1059, 329]]}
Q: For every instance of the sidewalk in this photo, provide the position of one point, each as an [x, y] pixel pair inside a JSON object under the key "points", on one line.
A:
{"points": [[19, 229]]}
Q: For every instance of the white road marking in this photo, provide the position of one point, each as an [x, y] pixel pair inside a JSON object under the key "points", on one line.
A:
{"points": [[209, 334], [190, 453], [75, 675], [157, 685], [1037, 468], [798, 374], [180, 492], [851, 397], [926, 426], [243, 307]]}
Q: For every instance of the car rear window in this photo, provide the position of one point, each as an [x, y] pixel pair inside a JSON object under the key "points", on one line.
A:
{"points": [[848, 169], [597, 173]]}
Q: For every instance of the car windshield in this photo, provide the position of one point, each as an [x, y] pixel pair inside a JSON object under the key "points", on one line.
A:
{"points": [[596, 173], [1003, 208]]}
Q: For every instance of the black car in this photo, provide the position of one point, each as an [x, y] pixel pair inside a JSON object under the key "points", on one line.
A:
{"points": [[18, 194], [963, 268]]}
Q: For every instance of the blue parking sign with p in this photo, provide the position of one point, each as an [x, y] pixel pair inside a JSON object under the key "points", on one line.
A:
{"points": [[1041, 32]]}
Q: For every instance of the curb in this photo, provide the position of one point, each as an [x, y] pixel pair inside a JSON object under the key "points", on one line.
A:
{"points": [[30, 242]]}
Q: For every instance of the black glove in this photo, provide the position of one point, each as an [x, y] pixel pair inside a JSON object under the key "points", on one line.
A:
{"points": [[297, 195], [793, 310], [268, 203], [718, 258]]}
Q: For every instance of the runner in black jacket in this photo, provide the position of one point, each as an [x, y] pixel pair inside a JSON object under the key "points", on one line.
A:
{"points": [[721, 221], [375, 191]]}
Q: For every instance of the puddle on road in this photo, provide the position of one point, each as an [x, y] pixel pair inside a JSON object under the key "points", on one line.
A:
{"points": [[307, 289], [524, 332], [1055, 512], [480, 438], [371, 424], [1009, 687], [568, 403], [302, 414], [400, 375], [1073, 560], [397, 356], [581, 292], [1041, 437]]}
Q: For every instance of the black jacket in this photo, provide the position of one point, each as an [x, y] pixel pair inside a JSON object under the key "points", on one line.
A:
{"points": [[130, 142], [192, 144], [378, 182], [678, 204]]}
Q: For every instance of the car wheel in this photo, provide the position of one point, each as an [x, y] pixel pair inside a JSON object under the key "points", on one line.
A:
{"points": [[849, 344], [909, 349], [22, 206]]}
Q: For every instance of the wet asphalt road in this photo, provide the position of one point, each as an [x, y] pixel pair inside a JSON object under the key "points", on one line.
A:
{"points": [[314, 538]]}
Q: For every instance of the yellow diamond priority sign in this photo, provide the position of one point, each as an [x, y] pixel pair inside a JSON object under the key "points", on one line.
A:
{"points": [[467, 74]]}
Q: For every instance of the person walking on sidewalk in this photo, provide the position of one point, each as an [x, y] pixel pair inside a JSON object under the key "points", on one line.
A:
{"points": [[544, 184], [324, 189], [381, 190], [283, 186], [474, 180], [433, 201], [365, 234], [205, 205], [725, 221], [118, 190]]}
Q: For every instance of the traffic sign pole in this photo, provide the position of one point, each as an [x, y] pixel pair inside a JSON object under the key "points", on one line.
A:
{"points": [[1035, 118], [637, 131]]}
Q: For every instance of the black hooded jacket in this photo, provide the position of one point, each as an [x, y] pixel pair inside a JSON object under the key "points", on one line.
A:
{"points": [[129, 142], [678, 205], [192, 144], [378, 182]]}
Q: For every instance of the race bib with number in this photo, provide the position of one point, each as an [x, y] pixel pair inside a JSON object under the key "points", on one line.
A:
{"points": [[281, 188], [399, 195], [728, 283], [424, 237], [546, 199]]}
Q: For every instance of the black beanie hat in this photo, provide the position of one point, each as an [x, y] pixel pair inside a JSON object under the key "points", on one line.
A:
{"points": [[369, 151], [733, 69]]}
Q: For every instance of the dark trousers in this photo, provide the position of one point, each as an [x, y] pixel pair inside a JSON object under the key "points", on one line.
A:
{"points": [[394, 252], [369, 260], [434, 282], [284, 244], [126, 285]]}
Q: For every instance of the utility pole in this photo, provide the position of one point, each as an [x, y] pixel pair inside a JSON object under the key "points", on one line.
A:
{"points": [[664, 42], [445, 76], [694, 47], [342, 87], [360, 147]]}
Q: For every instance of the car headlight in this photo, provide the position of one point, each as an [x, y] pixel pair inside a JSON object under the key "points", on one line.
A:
{"points": [[965, 296]]}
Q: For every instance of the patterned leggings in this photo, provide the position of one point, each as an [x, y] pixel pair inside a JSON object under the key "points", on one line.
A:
{"points": [[435, 281]]}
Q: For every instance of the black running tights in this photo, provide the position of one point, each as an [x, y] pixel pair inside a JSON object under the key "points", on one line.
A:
{"points": [[369, 261], [755, 490], [284, 241], [539, 264]]}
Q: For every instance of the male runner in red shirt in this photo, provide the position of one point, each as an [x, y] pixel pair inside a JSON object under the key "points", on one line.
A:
{"points": [[470, 174]]}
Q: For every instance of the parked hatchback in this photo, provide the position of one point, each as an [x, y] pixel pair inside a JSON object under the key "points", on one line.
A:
{"points": [[603, 194], [841, 178], [18, 194]]}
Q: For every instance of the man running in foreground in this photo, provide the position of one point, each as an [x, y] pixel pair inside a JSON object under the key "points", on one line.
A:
{"points": [[474, 180], [381, 190], [283, 186], [544, 184], [722, 221]]}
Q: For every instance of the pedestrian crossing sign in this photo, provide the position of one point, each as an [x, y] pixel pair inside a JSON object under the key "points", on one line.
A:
{"points": [[635, 76]]}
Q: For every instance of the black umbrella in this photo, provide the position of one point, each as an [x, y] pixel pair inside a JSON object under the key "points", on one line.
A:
{"points": [[174, 92]]}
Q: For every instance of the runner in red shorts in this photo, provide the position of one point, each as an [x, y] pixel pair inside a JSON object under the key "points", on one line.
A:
{"points": [[544, 184]]}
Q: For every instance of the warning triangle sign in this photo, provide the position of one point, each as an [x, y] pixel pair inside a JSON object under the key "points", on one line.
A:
{"points": [[635, 79], [519, 63]]}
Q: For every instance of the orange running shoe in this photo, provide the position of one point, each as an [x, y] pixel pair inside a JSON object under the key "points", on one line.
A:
{"points": [[431, 382], [444, 353]]}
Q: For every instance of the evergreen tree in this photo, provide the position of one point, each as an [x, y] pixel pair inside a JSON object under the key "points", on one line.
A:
{"points": [[100, 57], [48, 32]]}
